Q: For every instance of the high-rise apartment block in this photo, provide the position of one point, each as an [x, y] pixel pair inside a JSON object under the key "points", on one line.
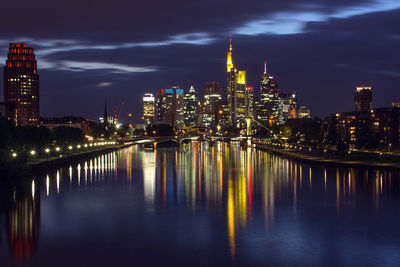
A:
{"points": [[269, 105], [148, 108], [212, 101], [21, 83], [190, 108], [170, 107], [363, 99]]}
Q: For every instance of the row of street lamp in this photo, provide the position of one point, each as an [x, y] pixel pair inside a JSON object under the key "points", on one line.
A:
{"points": [[58, 149]]}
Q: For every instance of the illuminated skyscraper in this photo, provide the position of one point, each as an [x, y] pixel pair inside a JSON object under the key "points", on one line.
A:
{"points": [[363, 99], [304, 112], [212, 100], [148, 108], [287, 107], [268, 112], [21, 83], [200, 105], [241, 100], [236, 92], [190, 108], [223, 115], [249, 102], [161, 106], [170, 107], [232, 98], [292, 109], [179, 108]]}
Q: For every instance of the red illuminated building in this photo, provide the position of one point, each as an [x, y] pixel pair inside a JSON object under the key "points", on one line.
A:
{"points": [[21, 83]]}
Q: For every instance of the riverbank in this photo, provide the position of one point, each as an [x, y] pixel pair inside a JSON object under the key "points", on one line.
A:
{"points": [[353, 159], [68, 159]]}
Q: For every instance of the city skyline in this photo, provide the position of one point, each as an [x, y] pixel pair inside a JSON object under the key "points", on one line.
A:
{"points": [[316, 50]]}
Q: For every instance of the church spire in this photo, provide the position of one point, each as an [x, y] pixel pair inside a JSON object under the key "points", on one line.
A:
{"points": [[105, 114]]}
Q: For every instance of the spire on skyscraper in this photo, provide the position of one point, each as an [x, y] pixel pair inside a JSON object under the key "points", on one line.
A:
{"points": [[191, 90], [229, 62], [265, 67]]}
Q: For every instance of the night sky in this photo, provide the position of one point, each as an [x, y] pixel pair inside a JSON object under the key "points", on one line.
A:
{"points": [[88, 51]]}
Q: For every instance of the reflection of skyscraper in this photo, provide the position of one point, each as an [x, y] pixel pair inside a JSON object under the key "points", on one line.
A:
{"points": [[190, 108], [23, 221], [212, 100], [363, 99], [21, 83], [148, 109], [149, 177]]}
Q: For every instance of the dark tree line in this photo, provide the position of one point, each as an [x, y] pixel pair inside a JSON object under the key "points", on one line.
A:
{"points": [[24, 138], [324, 134]]}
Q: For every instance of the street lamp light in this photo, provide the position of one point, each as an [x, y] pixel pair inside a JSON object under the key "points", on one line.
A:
{"points": [[33, 152]]}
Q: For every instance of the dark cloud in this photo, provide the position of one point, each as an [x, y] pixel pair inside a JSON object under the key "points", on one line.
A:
{"points": [[92, 50]]}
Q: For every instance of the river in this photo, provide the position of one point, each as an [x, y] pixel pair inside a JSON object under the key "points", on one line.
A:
{"points": [[199, 205]]}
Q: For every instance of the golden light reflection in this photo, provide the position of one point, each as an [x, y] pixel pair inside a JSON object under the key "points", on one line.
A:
{"points": [[70, 174], [231, 217], [337, 189], [58, 182], [47, 185], [85, 174], [149, 177], [33, 189]]}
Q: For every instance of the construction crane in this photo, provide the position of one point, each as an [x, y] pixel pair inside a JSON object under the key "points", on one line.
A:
{"points": [[116, 116]]}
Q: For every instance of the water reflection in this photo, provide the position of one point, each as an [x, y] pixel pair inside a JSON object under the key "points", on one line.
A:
{"points": [[22, 223], [245, 190]]}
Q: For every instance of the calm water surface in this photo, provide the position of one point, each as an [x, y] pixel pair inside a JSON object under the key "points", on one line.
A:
{"points": [[201, 205]]}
